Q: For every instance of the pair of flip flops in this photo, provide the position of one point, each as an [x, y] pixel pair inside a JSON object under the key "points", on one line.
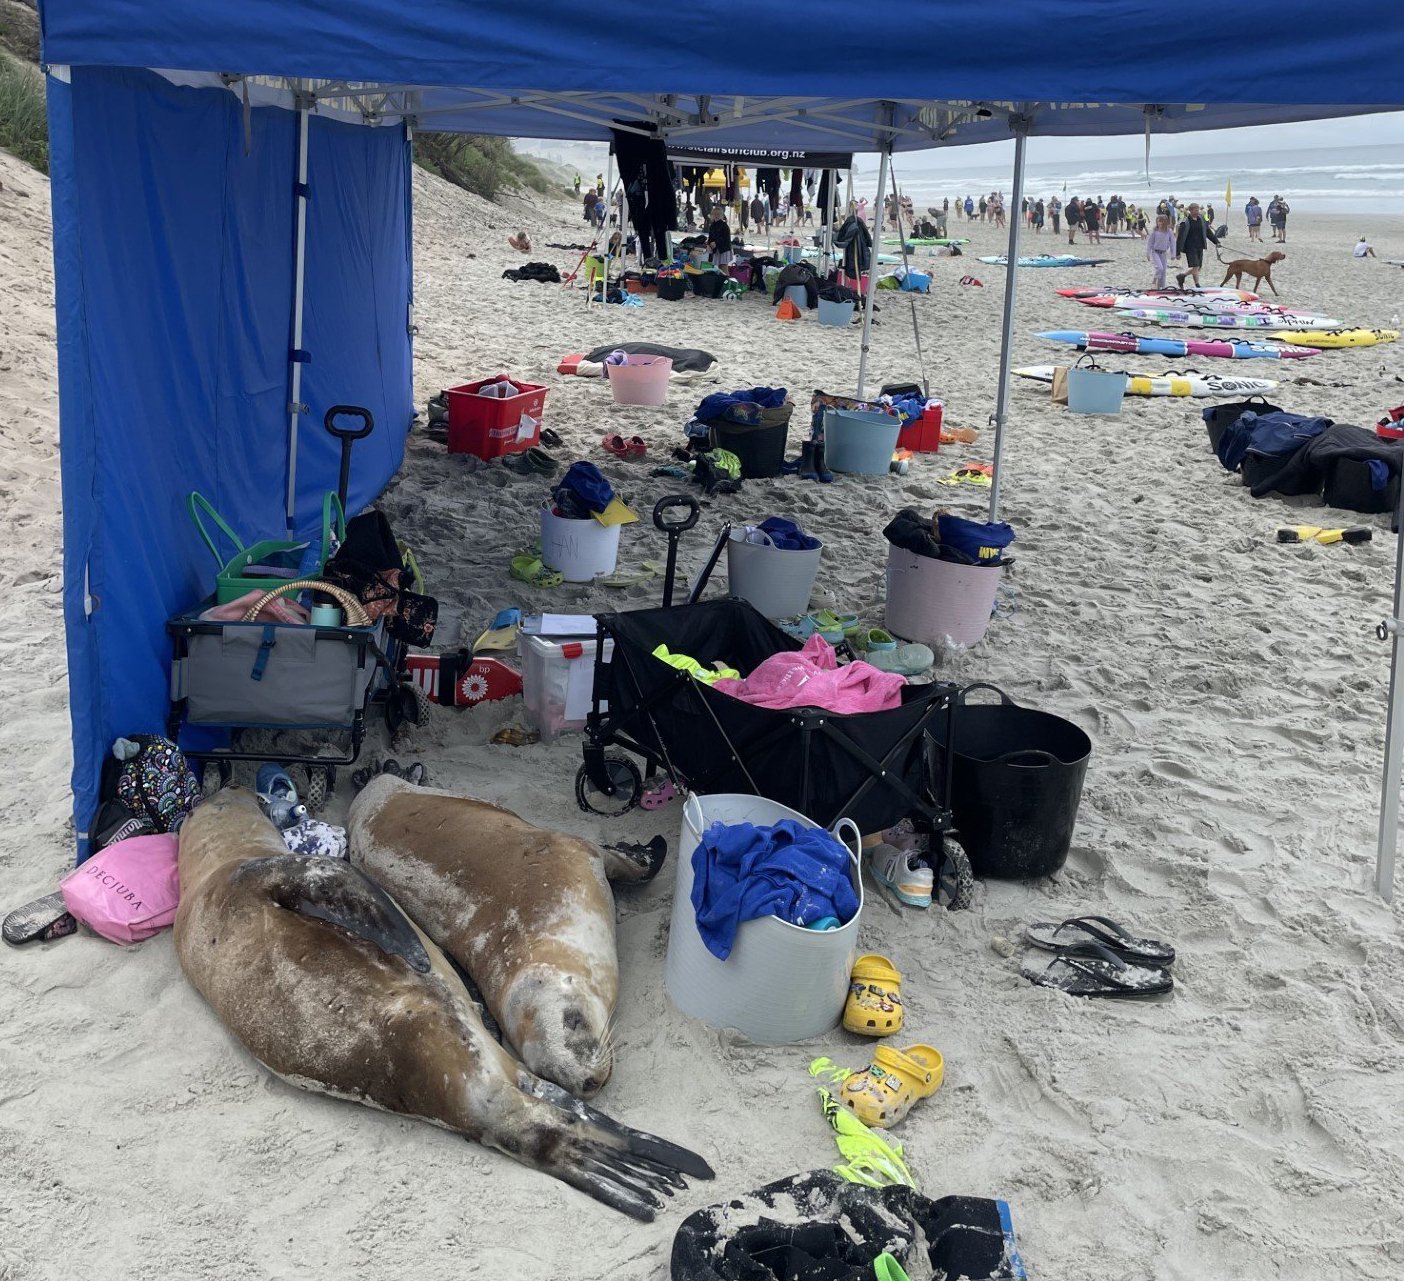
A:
{"points": [[834, 628], [1094, 956], [634, 447], [529, 568]]}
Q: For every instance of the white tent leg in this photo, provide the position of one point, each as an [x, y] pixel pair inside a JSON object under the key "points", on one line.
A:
{"points": [[1394, 731], [1006, 340], [295, 406], [886, 155]]}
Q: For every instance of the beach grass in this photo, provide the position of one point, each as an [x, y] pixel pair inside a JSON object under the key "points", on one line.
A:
{"points": [[484, 165], [24, 125]]}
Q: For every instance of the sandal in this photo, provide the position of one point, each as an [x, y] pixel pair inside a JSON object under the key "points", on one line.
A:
{"points": [[40, 921], [531, 462], [615, 444], [529, 569], [551, 439], [874, 1004], [635, 447], [884, 1091], [1089, 969], [1098, 929], [515, 736], [874, 638], [905, 660], [629, 578]]}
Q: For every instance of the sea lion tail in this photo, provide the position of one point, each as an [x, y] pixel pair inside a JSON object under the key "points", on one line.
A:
{"points": [[626, 1169]]}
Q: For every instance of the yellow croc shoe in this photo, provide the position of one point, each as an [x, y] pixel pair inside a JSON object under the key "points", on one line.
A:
{"points": [[874, 1005], [883, 1092]]}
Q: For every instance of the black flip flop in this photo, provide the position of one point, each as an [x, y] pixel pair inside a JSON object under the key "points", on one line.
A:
{"points": [[1089, 969], [550, 439], [40, 921], [1099, 929]]}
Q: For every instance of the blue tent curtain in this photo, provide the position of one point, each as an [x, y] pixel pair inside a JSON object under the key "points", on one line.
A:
{"points": [[173, 242]]}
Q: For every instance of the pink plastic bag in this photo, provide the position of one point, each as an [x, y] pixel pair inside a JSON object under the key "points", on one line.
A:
{"points": [[129, 891]]}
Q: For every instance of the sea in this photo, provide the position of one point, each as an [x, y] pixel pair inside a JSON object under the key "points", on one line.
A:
{"points": [[1336, 180]]}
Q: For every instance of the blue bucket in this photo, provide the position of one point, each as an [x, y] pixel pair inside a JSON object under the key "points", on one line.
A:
{"points": [[1095, 391], [860, 442], [835, 313]]}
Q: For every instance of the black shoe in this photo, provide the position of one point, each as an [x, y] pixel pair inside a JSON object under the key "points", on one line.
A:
{"points": [[807, 470], [821, 471]]}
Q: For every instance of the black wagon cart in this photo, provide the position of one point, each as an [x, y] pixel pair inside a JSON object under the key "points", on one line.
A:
{"points": [[875, 768]]}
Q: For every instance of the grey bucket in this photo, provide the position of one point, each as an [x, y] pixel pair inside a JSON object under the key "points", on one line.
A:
{"points": [[776, 580]]}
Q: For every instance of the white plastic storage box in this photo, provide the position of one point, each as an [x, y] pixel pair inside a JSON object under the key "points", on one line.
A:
{"points": [[558, 679]]}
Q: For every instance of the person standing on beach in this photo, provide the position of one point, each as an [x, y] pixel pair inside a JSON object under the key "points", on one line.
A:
{"points": [[1190, 241], [1055, 213], [1160, 244], [1253, 216], [969, 209], [1277, 216], [984, 208], [719, 238], [1074, 219], [1038, 216], [1092, 220], [577, 184]]}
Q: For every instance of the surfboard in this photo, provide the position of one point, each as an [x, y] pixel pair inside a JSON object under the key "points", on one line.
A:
{"points": [[1190, 291], [1214, 320], [1046, 260], [1212, 302], [1146, 345], [1341, 337], [1171, 384]]}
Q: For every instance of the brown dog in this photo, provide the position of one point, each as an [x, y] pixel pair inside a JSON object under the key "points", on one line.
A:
{"points": [[1259, 268]]}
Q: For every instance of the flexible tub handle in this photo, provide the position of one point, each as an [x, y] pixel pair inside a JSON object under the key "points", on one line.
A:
{"points": [[1029, 758], [1003, 697], [846, 831]]}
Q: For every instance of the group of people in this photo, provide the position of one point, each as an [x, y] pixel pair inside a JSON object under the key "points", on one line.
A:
{"points": [[989, 208], [1277, 212], [1188, 240]]}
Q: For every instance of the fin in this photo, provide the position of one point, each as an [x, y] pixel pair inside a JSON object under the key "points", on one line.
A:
{"points": [[327, 889], [634, 864], [625, 1169]]}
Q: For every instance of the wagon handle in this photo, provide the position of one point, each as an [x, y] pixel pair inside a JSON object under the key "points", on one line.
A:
{"points": [[1029, 758], [669, 501], [1003, 697]]}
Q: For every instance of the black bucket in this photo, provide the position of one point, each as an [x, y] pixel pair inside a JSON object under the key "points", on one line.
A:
{"points": [[1016, 782]]}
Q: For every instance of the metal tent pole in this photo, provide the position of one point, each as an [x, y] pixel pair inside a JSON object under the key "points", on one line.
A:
{"points": [[296, 355], [1006, 340], [1394, 728], [872, 272]]}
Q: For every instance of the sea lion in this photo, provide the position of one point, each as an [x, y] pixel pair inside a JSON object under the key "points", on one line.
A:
{"points": [[325, 981], [526, 912]]}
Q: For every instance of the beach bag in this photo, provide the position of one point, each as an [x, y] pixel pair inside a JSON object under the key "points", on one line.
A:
{"points": [[156, 784], [129, 891]]}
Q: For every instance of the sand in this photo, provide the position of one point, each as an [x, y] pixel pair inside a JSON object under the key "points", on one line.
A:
{"points": [[1233, 689]]}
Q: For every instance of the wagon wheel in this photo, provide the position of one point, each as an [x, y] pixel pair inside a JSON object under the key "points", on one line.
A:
{"points": [[955, 882], [405, 704], [624, 777], [319, 785], [423, 704]]}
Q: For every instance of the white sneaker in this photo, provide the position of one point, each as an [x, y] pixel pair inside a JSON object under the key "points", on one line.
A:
{"points": [[903, 872]]}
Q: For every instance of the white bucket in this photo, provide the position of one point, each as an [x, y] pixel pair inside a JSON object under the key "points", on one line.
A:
{"points": [[798, 295], [781, 983], [579, 549], [776, 580], [643, 381], [932, 601]]}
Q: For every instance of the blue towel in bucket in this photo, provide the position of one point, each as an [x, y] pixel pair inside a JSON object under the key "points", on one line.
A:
{"points": [[741, 872]]}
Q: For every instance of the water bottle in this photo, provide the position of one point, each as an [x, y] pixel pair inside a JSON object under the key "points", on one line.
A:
{"points": [[277, 797]]}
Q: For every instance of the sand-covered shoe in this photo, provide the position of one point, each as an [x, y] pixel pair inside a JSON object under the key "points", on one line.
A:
{"points": [[874, 1005], [884, 1091]]}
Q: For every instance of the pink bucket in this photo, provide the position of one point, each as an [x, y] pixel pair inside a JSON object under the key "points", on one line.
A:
{"points": [[643, 381], [935, 601]]}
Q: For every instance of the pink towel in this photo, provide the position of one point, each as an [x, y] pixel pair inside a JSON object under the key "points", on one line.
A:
{"points": [[811, 677]]}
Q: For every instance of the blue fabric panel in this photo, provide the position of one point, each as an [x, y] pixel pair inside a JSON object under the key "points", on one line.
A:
{"points": [[173, 255], [1084, 51], [355, 312]]}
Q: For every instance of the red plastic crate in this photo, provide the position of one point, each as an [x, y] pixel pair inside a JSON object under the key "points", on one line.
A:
{"points": [[489, 426], [922, 435]]}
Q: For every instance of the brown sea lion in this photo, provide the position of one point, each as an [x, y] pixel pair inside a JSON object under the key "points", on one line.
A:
{"points": [[325, 981], [526, 912]]}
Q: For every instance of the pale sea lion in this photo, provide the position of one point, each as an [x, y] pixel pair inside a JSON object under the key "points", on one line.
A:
{"points": [[326, 982], [527, 912]]}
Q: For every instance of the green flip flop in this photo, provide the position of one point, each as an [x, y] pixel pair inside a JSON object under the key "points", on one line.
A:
{"points": [[530, 570]]}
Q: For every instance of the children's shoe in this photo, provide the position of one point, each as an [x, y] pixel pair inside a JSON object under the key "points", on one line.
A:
{"points": [[874, 1005], [904, 872], [883, 1092]]}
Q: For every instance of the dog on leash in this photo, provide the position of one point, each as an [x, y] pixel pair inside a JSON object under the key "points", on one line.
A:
{"points": [[1259, 268]]}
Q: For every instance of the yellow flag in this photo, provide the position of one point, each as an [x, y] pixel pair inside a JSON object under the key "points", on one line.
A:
{"points": [[1228, 194]]}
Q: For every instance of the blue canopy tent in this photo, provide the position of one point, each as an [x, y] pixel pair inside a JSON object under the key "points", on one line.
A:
{"points": [[232, 238]]}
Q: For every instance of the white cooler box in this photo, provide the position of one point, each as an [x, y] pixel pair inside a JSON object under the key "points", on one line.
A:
{"points": [[558, 678]]}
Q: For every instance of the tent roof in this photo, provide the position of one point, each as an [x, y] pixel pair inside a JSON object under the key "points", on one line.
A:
{"points": [[741, 75]]}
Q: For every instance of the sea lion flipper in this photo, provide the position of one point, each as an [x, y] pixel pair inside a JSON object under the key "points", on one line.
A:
{"points": [[327, 889]]}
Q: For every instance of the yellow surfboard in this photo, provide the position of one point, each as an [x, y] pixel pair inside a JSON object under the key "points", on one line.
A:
{"points": [[1338, 337]]}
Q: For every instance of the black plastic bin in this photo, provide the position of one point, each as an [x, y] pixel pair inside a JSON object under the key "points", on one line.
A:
{"points": [[708, 284], [760, 446], [1016, 784], [1349, 486], [672, 288]]}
